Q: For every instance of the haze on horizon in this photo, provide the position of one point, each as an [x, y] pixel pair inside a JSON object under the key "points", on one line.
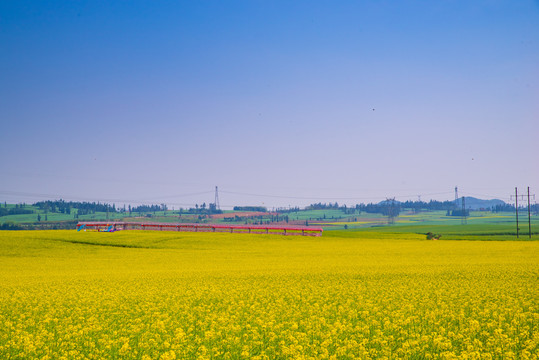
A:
{"points": [[278, 103]]}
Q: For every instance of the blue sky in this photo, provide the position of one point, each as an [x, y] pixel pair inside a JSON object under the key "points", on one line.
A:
{"points": [[276, 102]]}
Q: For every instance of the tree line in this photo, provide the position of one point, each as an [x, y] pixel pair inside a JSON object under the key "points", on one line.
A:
{"points": [[146, 208], [17, 210], [251, 208], [64, 207]]}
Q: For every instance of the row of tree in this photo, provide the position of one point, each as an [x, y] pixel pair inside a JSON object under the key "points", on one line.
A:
{"points": [[379, 207], [146, 208], [64, 207], [14, 211], [251, 208], [10, 226], [384, 206], [85, 208], [388, 208], [202, 210]]}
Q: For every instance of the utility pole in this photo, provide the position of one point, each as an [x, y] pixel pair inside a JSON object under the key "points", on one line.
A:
{"points": [[463, 219], [516, 207], [523, 197], [529, 216], [456, 197], [529, 213]]}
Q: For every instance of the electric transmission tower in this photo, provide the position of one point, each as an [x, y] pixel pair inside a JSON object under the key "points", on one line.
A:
{"points": [[217, 199]]}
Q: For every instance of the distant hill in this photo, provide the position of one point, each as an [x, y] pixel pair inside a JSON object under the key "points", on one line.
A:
{"points": [[476, 204]]}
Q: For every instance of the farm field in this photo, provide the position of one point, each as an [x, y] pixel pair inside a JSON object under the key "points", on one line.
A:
{"points": [[501, 220], [345, 295], [498, 226]]}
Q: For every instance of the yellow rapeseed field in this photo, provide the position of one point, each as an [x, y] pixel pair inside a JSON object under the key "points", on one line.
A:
{"points": [[161, 295]]}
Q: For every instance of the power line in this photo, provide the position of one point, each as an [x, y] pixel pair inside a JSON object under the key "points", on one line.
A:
{"points": [[275, 196], [177, 196], [327, 198], [79, 198], [164, 197], [488, 196], [296, 197]]}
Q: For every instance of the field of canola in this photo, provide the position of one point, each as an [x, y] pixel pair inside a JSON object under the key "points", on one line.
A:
{"points": [[158, 295]]}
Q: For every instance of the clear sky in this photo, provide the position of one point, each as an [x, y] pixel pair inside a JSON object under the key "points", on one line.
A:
{"points": [[276, 102]]}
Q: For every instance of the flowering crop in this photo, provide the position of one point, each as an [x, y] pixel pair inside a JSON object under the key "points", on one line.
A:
{"points": [[160, 295]]}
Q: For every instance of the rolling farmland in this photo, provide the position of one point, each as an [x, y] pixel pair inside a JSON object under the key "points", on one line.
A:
{"points": [[364, 295]]}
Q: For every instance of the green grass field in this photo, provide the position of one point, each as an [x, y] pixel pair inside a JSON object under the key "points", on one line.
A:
{"points": [[494, 225], [53, 217], [479, 227]]}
